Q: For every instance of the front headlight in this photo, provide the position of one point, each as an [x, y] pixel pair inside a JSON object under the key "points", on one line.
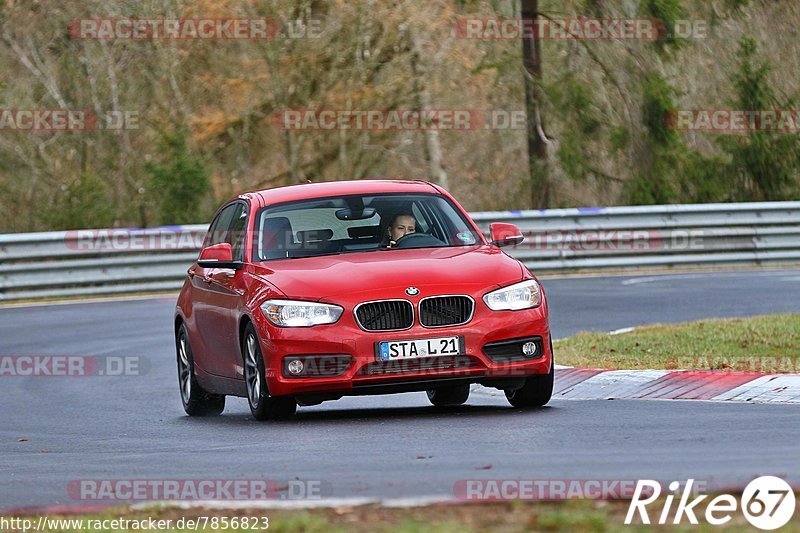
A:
{"points": [[524, 295], [296, 314]]}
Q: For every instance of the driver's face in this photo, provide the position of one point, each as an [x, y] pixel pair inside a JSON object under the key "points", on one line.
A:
{"points": [[402, 225]]}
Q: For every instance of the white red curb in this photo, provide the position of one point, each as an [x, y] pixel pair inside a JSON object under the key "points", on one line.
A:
{"points": [[709, 385]]}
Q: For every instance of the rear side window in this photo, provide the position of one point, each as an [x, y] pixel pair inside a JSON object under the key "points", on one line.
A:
{"points": [[237, 232], [218, 230], [230, 226]]}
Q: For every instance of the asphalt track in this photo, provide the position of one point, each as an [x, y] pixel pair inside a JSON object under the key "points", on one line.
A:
{"points": [[391, 446]]}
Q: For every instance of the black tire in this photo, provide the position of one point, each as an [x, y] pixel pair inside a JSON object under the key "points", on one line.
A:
{"points": [[262, 405], [196, 400], [537, 390], [455, 395]]}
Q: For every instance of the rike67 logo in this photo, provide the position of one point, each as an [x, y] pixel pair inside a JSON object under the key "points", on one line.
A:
{"points": [[767, 502]]}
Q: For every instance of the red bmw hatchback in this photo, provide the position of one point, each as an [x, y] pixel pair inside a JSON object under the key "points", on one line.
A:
{"points": [[308, 293]]}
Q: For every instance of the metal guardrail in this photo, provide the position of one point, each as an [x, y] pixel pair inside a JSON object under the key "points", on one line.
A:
{"points": [[96, 262], [663, 236], [101, 262]]}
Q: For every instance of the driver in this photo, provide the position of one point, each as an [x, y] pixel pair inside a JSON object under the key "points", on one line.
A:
{"points": [[401, 225]]}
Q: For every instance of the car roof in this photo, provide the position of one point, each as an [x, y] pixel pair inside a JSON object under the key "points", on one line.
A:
{"points": [[308, 191]]}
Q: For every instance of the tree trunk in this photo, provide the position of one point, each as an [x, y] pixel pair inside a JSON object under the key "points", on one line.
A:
{"points": [[537, 140], [433, 149]]}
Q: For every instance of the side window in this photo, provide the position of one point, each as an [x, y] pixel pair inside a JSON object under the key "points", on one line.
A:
{"points": [[219, 227], [236, 235]]}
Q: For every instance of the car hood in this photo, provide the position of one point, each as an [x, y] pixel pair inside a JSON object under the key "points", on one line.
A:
{"points": [[386, 274]]}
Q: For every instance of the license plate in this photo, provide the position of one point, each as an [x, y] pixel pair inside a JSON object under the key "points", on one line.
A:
{"points": [[418, 348]]}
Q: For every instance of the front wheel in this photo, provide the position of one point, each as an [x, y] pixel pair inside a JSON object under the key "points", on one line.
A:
{"points": [[262, 405], [536, 391], [196, 401], [455, 395]]}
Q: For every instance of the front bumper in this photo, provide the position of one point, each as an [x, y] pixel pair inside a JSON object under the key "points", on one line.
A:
{"points": [[364, 373]]}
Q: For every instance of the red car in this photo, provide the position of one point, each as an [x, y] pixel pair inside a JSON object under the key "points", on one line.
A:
{"points": [[308, 293]]}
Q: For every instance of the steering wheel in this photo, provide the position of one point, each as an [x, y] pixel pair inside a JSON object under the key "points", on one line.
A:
{"points": [[418, 240]]}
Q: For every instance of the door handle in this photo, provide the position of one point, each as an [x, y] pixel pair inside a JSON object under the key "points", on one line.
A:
{"points": [[222, 275]]}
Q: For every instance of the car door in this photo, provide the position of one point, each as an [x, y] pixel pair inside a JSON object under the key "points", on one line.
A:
{"points": [[210, 300], [226, 299]]}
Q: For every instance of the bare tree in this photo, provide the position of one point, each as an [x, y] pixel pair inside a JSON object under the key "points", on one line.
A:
{"points": [[537, 139]]}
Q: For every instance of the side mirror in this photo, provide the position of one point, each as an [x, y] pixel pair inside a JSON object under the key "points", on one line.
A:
{"points": [[218, 256], [504, 234]]}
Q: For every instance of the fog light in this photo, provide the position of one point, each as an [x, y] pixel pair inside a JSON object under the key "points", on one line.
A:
{"points": [[295, 366], [529, 349]]}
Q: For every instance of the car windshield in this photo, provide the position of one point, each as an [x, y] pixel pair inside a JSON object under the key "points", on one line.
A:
{"points": [[356, 223]]}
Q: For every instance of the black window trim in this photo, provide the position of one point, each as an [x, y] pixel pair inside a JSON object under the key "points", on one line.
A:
{"points": [[209, 235]]}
